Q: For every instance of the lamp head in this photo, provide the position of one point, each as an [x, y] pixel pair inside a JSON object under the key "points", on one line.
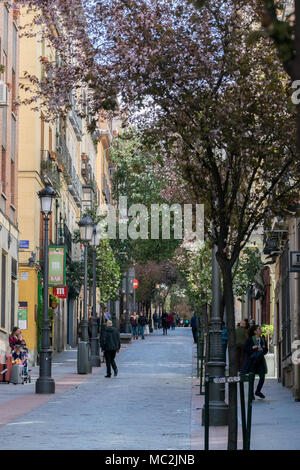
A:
{"points": [[46, 196], [86, 226]]}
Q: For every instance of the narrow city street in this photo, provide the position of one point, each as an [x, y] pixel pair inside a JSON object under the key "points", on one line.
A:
{"points": [[153, 404], [148, 406]]}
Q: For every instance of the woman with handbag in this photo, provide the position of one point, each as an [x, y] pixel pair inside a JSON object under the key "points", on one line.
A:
{"points": [[255, 350], [134, 325]]}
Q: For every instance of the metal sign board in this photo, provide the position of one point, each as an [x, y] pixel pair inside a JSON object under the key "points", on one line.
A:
{"points": [[295, 261], [23, 315], [57, 266], [61, 292], [24, 244]]}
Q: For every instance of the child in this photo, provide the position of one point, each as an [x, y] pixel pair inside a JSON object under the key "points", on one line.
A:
{"points": [[19, 357]]}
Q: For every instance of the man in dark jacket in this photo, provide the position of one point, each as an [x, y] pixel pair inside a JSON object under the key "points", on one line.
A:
{"points": [[194, 325], [110, 344], [142, 321]]}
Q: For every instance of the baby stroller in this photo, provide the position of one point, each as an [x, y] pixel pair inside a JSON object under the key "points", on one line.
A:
{"points": [[20, 371]]}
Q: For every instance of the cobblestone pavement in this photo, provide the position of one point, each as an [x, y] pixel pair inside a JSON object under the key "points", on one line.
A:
{"points": [[148, 406]]}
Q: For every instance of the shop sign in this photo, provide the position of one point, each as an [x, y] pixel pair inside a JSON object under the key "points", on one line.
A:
{"points": [[57, 266]]}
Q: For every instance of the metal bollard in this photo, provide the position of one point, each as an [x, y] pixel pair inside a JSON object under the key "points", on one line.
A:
{"points": [[249, 411], [84, 364], [206, 415]]}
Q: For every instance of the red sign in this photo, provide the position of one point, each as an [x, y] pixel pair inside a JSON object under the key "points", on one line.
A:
{"points": [[61, 292], [135, 283]]}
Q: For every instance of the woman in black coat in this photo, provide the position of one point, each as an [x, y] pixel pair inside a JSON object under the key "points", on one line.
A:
{"points": [[165, 323], [255, 350]]}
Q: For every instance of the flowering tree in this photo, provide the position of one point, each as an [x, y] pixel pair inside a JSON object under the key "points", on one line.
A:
{"points": [[215, 104], [248, 266]]}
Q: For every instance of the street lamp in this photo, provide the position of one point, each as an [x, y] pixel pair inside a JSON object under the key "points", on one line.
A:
{"points": [[218, 409], [45, 383], [86, 226], [95, 357]]}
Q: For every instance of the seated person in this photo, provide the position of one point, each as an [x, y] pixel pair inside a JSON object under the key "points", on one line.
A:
{"points": [[19, 357], [13, 338]]}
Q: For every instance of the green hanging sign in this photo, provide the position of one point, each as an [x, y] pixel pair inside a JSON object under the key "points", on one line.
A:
{"points": [[57, 266]]}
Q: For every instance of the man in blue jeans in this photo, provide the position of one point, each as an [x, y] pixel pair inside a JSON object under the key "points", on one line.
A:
{"points": [[142, 323]]}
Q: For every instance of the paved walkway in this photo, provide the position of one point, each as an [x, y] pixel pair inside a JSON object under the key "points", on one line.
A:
{"points": [[153, 404], [148, 406]]}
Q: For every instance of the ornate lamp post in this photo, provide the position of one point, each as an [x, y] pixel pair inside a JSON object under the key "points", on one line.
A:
{"points": [[45, 383], [218, 409], [95, 357], [86, 226]]}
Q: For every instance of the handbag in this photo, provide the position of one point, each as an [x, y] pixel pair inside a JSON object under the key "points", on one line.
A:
{"points": [[256, 356]]}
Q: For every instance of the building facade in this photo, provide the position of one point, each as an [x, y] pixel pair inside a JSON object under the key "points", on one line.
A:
{"points": [[9, 125]]}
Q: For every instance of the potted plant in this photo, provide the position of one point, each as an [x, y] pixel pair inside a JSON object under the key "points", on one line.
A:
{"points": [[44, 59], [54, 301], [60, 168], [2, 68], [53, 156], [84, 156], [16, 13]]}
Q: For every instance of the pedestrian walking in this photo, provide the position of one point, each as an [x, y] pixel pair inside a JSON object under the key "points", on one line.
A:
{"points": [[90, 326], [171, 320], [110, 345], [155, 320], [174, 321], [241, 336], [123, 323], [255, 350], [107, 315], [134, 325], [224, 341], [142, 321], [194, 325], [165, 323]]}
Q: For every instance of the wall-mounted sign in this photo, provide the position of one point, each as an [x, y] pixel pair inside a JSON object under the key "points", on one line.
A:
{"points": [[24, 276], [57, 266], [61, 292], [23, 315], [24, 244], [295, 261]]}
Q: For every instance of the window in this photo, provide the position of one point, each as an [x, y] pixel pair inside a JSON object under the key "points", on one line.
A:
{"points": [[42, 132], [50, 139], [5, 29], [14, 48], [3, 291], [14, 276], [13, 307], [3, 204], [3, 171], [4, 127], [13, 137], [12, 215]]}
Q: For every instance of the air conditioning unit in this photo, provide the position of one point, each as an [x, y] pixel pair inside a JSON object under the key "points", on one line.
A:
{"points": [[3, 95]]}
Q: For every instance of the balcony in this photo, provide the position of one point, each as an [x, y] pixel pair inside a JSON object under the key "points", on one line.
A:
{"points": [[49, 173], [70, 175], [106, 189], [75, 188], [75, 119]]}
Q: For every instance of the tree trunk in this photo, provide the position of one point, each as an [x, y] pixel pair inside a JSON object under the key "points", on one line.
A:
{"points": [[233, 368], [204, 324]]}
